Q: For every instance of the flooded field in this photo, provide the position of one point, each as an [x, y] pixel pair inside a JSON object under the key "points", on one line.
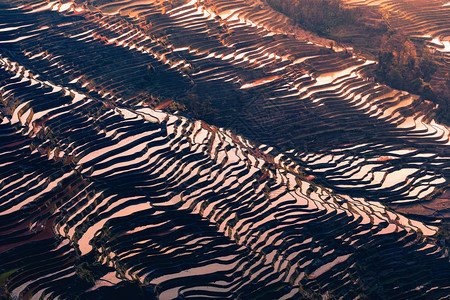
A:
{"points": [[195, 149]]}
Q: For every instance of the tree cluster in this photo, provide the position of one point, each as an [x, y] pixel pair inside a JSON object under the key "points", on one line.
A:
{"points": [[316, 15], [404, 66]]}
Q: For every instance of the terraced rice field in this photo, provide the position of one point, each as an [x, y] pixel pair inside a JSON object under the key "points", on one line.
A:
{"points": [[420, 19], [302, 180]]}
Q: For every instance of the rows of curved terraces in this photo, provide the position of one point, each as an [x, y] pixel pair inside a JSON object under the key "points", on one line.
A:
{"points": [[290, 175], [420, 19]]}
